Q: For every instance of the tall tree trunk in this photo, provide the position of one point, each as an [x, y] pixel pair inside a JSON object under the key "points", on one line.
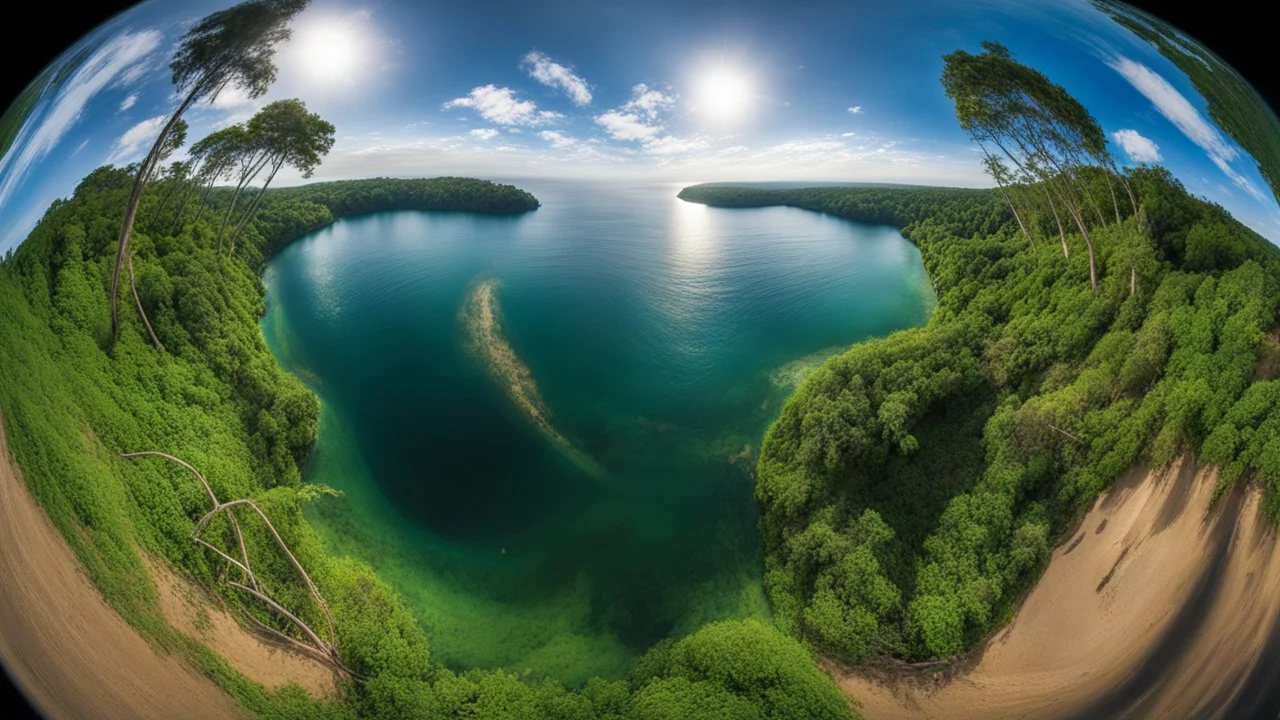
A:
{"points": [[1088, 243], [138, 302], [1133, 202], [257, 200], [1062, 232], [1112, 189], [187, 192], [131, 210], [173, 185], [1133, 280], [204, 200], [1014, 209], [246, 176]]}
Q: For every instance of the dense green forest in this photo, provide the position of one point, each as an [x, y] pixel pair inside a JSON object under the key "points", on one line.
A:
{"points": [[74, 400], [914, 486], [1088, 318]]}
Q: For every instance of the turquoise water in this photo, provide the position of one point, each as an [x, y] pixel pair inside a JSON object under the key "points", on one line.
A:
{"points": [[543, 425]]}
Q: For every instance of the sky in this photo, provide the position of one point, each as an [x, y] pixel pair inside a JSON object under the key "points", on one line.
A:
{"points": [[677, 91]]}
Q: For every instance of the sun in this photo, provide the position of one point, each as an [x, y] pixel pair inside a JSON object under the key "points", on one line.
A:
{"points": [[724, 94], [330, 50]]}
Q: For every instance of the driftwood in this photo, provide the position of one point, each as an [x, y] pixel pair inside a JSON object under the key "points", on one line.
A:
{"points": [[320, 648]]}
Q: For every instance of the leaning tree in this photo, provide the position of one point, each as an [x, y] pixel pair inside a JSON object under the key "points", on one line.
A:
{"points": [[229, 49], [1048, 138], [288, 135]]}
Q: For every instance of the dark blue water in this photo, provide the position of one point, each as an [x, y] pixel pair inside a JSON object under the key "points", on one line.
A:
{"points": [[558, 475]]}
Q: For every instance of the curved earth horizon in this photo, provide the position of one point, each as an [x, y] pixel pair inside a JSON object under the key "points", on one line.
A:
{"points": [[577, 361]]}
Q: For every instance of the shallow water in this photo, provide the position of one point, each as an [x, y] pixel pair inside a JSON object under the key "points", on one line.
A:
{"points": [[543, 425]]}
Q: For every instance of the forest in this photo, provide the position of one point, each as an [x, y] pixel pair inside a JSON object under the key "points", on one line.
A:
{"points": [[913, 487], [168, 430], [1089, 317], [74, 400]]}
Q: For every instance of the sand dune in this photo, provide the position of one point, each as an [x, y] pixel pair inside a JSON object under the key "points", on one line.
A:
{"points": [[485, 337], [1156, 607], [61, 642]]}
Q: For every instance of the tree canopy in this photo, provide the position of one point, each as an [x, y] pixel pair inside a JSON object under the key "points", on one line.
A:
{"points": [[912, 488], [231, 48]]}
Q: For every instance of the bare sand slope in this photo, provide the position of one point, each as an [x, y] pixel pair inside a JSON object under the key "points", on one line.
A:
{"points": [[190, 610], [1154, 608], [73, 655]]}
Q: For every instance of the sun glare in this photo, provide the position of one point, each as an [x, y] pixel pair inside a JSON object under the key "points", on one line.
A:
{"points": [[724, 94], [331, 51]]}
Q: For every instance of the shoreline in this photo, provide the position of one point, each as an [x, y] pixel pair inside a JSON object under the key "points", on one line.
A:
{"points": [[69, 652], [1156, 607]]}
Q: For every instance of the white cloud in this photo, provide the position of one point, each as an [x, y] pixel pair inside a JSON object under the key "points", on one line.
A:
{"points": [[638, 118], [500, 106], [117, 60], [484, 133], [130, 146], [1136, 146], [1174, 106], [647, 101], [1184, 116], [666, 157], [848, 134], [555, 75], [557, 140], [627, 126], [129, 102], [1240, 180], [855, 110]]}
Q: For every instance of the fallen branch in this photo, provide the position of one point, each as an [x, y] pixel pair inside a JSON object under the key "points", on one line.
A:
{"points": [[244, 553], [321, 649], [315, 593], [1064, 432]]}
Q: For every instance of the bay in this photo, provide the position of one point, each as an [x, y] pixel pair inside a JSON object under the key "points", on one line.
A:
{"points": [[543, 425]]}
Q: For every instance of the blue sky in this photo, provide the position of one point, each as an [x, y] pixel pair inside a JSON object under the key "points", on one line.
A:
{"points": [[680, 91]]}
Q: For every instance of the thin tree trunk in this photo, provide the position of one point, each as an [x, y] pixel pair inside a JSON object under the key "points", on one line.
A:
{"points": [[315, 593], [257, 200], [131, 209], [1133, 280], [154, 218], [138, 302], [1115, 205], [1133, 202], [204, 200], [1062, 232], [251, 171], [1088, 243], [1014, 209], [182, 207]]}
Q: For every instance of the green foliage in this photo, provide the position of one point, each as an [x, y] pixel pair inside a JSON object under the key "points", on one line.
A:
{"points": [[912, 487], [744, 658], [73, 402]]}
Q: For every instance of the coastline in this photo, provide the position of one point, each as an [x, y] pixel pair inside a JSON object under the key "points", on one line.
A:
{"points": [[71, 653], [1156, 607]]}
